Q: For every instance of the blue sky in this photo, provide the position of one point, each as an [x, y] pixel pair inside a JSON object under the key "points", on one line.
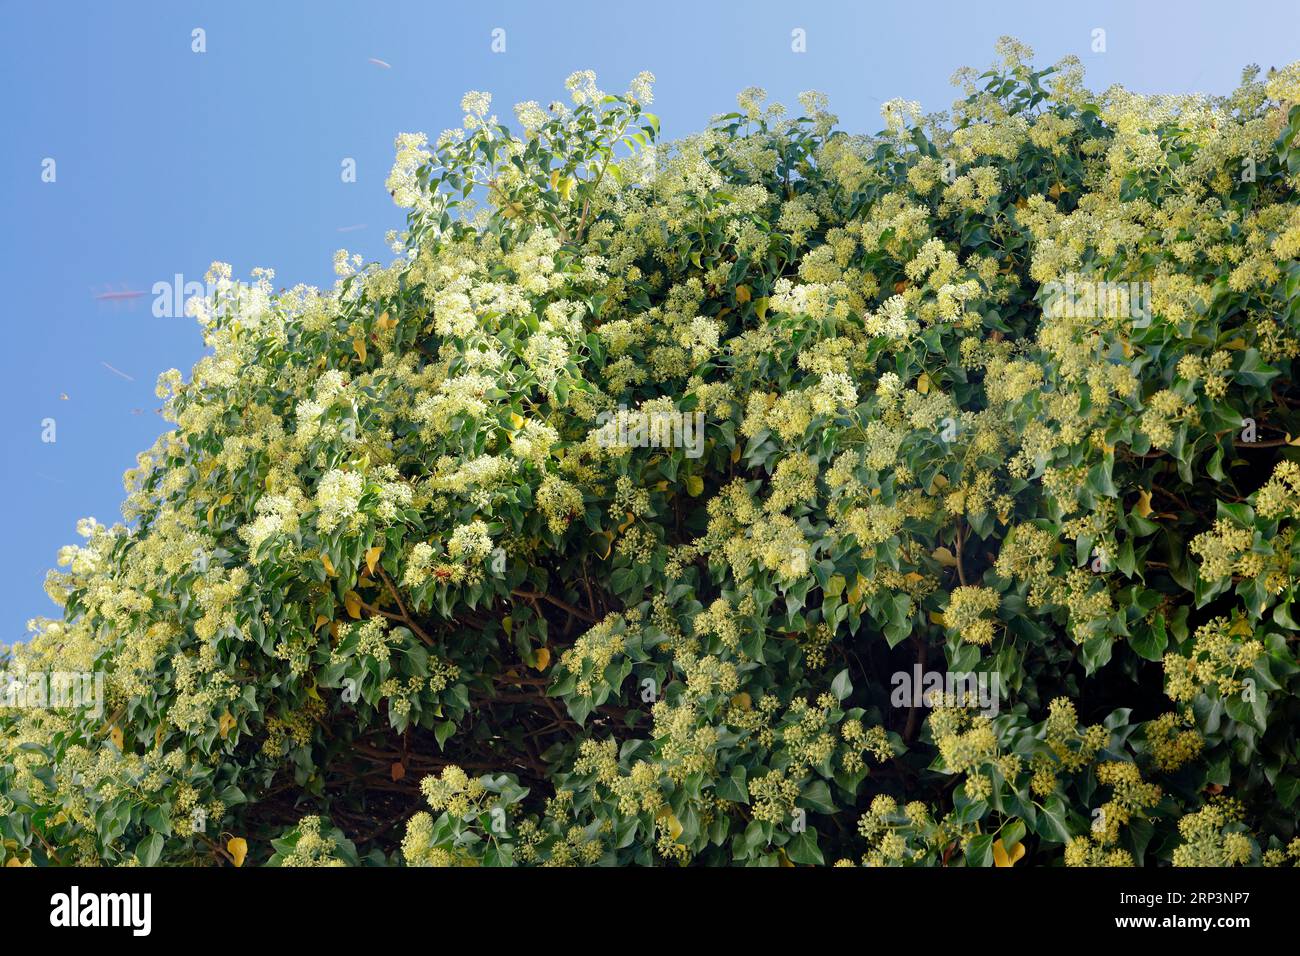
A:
{"points": [[167, 159]]}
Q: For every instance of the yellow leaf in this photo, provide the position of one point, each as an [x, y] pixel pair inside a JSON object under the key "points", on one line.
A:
{"points": [[382, 321], [516, 420], [670, 823], [937, 618], [742, 294], [912, 577], [628, 523], [1235, 344], [855, 592], [225, 499], [742, 701], [237, 847], [1292, 441], [785, 860], [1143, 506], [372, 556], [944, 557], [13, 861], [359, 346], [1241, 628], [541, 658], [923, 383], [329, 565], [352, 602], [694, 486], [225, 725], [735, 454], [760, 307], [115, 732], [1056, 190], [1007, 857], [321, 621]]}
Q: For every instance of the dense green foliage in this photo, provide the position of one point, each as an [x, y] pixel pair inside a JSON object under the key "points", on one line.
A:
{"points": [[398, 588]]}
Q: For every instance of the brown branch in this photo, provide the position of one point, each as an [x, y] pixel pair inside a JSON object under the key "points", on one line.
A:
{"points": [[914, 714], [380, 611], [403, 617], [563, 605], [586, 583], [366, 838], [961, 571], [410, 622], [392, 590]]}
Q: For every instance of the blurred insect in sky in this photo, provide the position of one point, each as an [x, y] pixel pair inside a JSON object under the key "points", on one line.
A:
{"points": [[120, 296], [116, 371], [376, 62], [352, 228]]}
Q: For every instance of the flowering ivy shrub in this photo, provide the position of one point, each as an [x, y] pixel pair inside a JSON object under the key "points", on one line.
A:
{"points": [[623, 517]]}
